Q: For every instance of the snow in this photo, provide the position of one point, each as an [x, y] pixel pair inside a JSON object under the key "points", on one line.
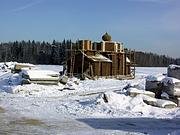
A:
{"points": [[79, 108], [35, 74], [164, 103], [99, 57], [172, 66], [170, 80], [56, 68], [127, 60], [157, 77], [118, 102], [137, 91], [165, 95]]}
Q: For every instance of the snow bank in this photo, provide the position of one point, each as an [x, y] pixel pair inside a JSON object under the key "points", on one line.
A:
{"points": [[120, 101], [37, 90], [113, 98], [138, 105]]}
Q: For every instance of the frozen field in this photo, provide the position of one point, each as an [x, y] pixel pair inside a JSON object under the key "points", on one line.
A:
{"points": [[38, 109]]}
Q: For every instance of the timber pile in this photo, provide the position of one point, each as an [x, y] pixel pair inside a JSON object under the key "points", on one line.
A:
{"points": [[19, 66], [134, 92], [39, 77], [158, 102], [166, 87], [153, 84], [174, 71], [171, 86], [63, 79]]}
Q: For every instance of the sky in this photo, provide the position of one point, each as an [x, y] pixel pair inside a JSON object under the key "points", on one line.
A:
{"points": [[143, 25]]}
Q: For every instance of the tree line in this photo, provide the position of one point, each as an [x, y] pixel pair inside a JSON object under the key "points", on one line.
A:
{"points": [[148, 59], [36, 52]]}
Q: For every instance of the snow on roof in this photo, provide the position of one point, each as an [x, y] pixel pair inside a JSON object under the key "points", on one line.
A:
{"points": [[127, 60], [157, 77], [99, 57], [172, 66], [170, 80]]}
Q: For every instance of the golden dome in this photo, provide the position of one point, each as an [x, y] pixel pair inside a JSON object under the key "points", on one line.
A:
{"points": [[106, 37]]}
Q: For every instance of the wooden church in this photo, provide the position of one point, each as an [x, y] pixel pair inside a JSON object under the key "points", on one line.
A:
{"points": [[107, 59]]}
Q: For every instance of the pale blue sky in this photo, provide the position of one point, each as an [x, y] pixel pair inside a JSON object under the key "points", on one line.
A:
{"points": [[145, 25]]}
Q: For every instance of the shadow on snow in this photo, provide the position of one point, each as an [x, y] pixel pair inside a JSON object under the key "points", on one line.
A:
{"points": [[143, 125]]}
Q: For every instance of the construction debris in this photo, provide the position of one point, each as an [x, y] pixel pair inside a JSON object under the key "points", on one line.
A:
{"points": [[158, 102], [19, 66], [171, 86], [174, 71], [134, 92], [166, 87], [39, 77]]}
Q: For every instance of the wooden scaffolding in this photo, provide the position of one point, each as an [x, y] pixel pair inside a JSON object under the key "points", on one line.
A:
{"points": [[85, 61]]}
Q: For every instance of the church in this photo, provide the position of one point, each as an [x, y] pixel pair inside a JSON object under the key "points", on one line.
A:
{"points": [[107, 59]]}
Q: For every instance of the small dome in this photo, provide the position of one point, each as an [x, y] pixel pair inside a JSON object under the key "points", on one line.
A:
{"points": [[106, 37]]}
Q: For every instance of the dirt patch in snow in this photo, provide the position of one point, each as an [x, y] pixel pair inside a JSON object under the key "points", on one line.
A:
{"points": [[32, 122], [2, 110]]}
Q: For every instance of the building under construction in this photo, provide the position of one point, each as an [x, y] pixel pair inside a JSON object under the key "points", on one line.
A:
{"points": [[106, 59]]}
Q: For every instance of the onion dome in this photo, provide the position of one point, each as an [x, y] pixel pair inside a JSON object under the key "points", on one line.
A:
{"points": [[106, 37]]}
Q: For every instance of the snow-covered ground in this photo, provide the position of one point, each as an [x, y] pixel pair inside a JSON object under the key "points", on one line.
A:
{"points": [[38, 109]]}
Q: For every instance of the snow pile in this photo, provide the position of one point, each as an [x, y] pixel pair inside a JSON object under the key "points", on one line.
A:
{"points": [[120, 101], [4, 67], [9, 65], [36, 90], [138, 105], [72, 83]]}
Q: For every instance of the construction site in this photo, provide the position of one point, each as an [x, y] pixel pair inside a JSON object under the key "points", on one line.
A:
{"points": [[107, 59]]}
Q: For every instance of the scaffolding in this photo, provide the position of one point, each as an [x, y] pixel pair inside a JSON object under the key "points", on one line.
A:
{"points": [[80, 64]]}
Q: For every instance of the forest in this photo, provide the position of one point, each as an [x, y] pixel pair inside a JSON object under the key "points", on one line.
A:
{"points": [[55, 53]]}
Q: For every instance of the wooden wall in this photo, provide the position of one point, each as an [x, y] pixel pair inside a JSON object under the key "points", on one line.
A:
{"points": [[118, 66], [110, 46]]}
